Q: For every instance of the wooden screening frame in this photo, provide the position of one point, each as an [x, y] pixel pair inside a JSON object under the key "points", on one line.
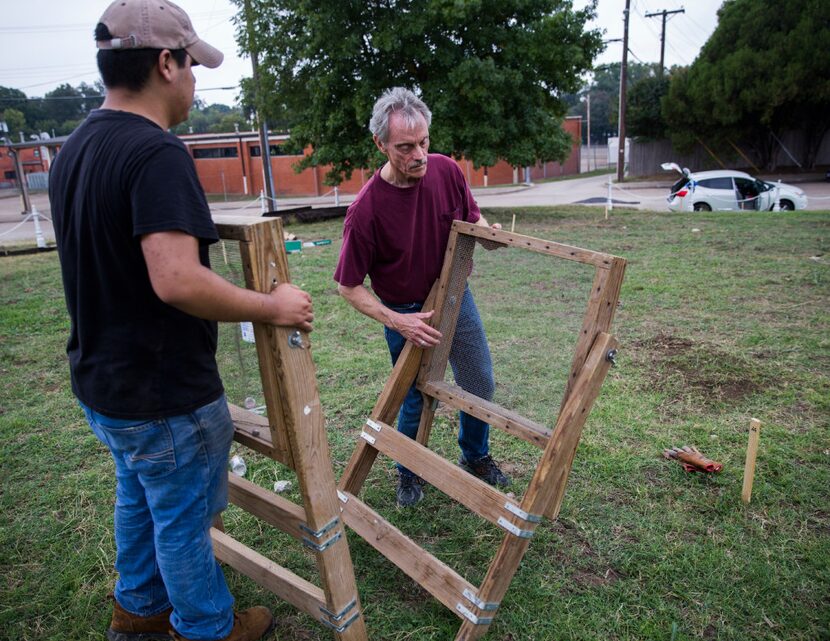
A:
{"points": [[594, 354], [294, 434]]}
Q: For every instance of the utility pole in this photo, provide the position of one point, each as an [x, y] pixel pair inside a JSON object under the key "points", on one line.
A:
{"points": [[663, 13], [265, 148], [623, 74], [589, 131]]}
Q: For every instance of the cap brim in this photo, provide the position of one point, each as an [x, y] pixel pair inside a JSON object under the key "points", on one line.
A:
{"points": [[205, 55]]}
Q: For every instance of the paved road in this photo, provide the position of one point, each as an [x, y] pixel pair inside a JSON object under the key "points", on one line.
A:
{"points": [[591, 191]]}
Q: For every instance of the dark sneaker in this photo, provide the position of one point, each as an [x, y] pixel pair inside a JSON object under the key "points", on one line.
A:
{"points": [[486, 469], [409, 490]]}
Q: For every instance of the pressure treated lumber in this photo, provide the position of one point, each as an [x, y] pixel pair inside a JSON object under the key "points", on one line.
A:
{"points": [[437, 578], [593, 356], [751, 455], [294, 434], [511, 422]]}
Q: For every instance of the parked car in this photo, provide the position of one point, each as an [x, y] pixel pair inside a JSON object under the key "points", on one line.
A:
{"points": [[730, 191]]}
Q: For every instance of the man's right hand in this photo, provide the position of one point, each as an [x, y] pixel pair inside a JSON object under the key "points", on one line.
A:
{"points": [[292, 307], [414, 329]]}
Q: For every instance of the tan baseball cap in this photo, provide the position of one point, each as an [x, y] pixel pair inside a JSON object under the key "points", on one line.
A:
{"points": [[155, 24]]}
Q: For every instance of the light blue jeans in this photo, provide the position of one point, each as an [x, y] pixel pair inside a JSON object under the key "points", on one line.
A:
{"points": [[172, 480], [473, 371]]}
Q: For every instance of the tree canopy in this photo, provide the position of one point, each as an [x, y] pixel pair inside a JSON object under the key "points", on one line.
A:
{"points": [[764, 70], [62, 109], [604, 89], [58, 112], [493, 72], [644, 116]]}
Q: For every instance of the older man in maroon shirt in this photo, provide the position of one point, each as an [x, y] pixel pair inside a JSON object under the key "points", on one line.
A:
{"points": [[396, 232]]}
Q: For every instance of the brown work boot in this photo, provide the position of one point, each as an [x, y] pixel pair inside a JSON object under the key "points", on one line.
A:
{"points": [[249, 625], [126, 626]]}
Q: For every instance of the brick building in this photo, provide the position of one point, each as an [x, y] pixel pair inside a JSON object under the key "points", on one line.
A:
{"points": [[232, 164]]}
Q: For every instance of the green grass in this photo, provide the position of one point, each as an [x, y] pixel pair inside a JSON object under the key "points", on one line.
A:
{"points": [[715, 326]]}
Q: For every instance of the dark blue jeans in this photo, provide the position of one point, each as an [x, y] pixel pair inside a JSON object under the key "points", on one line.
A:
{"points": [[471, 367]]}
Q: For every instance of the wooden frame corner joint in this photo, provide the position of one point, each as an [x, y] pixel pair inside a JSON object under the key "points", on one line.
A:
{"points": [[485, 606], [472, 617]]}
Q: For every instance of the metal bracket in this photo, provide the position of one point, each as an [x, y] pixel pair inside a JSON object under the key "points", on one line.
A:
{"points": [[321, 547], [337, 617], [517, 531], [340, 628], [472, 618], [367, 437], [611, 357], [526, 516], [373, 425], [488, 606], [331, 524], [434, 405], [342, 496]]}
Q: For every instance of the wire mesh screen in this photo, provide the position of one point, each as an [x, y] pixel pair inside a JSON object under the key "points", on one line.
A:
{"points": [[236, 352], [532, 308]]}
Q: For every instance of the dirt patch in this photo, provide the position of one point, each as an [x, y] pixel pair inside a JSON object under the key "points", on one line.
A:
{"points": [[290, 627], [592, 579], [682, 368], [410, 592]]}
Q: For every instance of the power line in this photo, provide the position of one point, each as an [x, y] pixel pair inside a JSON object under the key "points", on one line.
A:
{"points": [[93, 96]]}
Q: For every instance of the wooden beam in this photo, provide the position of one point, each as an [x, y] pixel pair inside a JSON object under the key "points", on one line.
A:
{"points": [[487, 411], [253, 431], [437, 578], [232, 227], [469, 490], [265, 505], [568, 252], [285, 584]]}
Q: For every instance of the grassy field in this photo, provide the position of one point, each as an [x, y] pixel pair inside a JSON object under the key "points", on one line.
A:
{"points": [[722, 317]]}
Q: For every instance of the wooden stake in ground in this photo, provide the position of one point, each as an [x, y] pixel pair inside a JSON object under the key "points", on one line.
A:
{"points": [[751, 453], [513, 224]]}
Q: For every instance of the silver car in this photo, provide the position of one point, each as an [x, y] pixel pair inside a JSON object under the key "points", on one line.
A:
{"points": [[727, 190]]}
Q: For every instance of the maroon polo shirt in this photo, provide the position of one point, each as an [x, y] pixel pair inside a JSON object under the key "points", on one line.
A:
{"points": [[397, 236]]}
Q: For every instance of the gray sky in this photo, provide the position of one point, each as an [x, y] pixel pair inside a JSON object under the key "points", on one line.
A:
{"points": [[45, 43]]}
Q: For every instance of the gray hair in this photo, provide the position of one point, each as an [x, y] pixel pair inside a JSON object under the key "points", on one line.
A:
{"points": [[397, 100]]}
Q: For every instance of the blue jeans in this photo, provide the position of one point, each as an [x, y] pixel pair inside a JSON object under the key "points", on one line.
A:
{"points": [[172, 480], [471, 367]]}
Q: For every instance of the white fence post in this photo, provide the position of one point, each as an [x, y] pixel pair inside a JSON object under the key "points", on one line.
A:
{"points": [[41, 241], [609, 202]]}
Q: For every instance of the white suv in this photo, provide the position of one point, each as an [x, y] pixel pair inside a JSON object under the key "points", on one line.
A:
{"points": [[731, 191]]}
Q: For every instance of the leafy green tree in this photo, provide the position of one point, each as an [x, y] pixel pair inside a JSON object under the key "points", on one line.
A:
{"points": [[604, 88], [644, 116], [16, 100], [215, 118], [11, 98], [492, 71], [15, 123], [763, 71]]}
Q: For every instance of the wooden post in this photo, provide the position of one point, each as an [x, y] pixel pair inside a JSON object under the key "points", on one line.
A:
{"points": [[751, 453]]}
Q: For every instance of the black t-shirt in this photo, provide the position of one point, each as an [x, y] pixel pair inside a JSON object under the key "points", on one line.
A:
{"points": [[120, 176]]}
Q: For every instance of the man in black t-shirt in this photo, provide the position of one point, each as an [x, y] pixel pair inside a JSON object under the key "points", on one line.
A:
{"points": [[133, 229]]}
